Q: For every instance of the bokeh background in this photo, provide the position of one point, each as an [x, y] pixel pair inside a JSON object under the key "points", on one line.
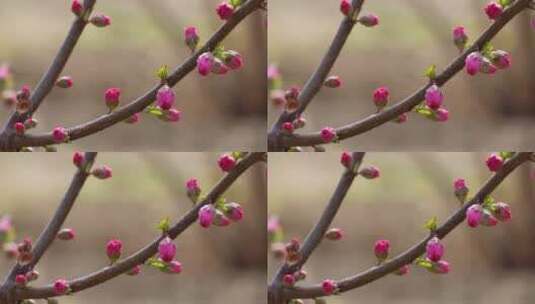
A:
{"points": [[486, 113], [219, 113], [488, 265], [225, 265]]}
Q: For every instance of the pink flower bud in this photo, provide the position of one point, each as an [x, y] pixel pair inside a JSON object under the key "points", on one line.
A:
{"points": [[381, 249], [30, 123], [234, 211], [134, 271], [501, 59], [5, 72], [113, 250], [172, 115], [60, 135], [193, 189], [191, 37], [288, 280], [5, 224], [334, 234], [291, 96], [328, 134], [494, 162], [135, 118], [493, 10], [220, 219], [100, 20], [78, 159], [165, 98], [401, 118], [206, 215], [24, 93], [346, 159], [380, 97], [299, 122], [460, 189], [403, 270], [175, 267], [369, 20], [434, 250], [167, 250], [102, 172], [19, 128], [66, 234], [24, 249], [459, 37], [333, 82], [204, 63], [219, 67], [473, 215], [473, 63], [487, 67], [226, 162], [442, 115], [370, 172], [346, 7], [225, 11], [433, 97], [329, 287], [65, 82], [77, 8], [61, 287], [233, 60], [32, 275], [502, 212], [440, 267], [112, 96], [21, 280], [287, 127], [488, 219], [273, 224]]}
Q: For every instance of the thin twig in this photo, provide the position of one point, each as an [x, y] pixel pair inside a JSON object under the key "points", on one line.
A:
{"points": [[417, 250], [151, 249]]}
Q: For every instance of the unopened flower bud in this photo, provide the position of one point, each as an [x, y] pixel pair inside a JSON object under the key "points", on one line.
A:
{"points": [[61, 287], [226, 162], [292, 250], [112, 96], [220, 219], [135, 118], [224, 11], [102, 172], [167, 250], [346, 8], [287, 127], [234, 211], [381, 249], [334, 234], [502, 212], [21, 280], [403, 270], [206, 215], [441, 115], [433, 97], [114, 250], [172, 115], [370, 172], [204, 63], [329, 287], [32, 275], [77, 8], [19, 128], [78, 159], [66, 234], [328, 134], [193, 189], [191, 37], [369, 20], [219, 67], [300, 275], [100, 20], [460, 38], [24, 93], [233, 60], [473, 215], [434, 250], [346, 159], [299, 122], [460, 189], [487, 67], [134, 271], [494, 162], [165, 98], [401, 118], [288, 280], [493, 10], [175, 267], [30, 123], [488, 219], [60, 135], [333, 82], [380, 97], [65, 82], [440, 267], [501, 59], [291, 96], [473, 63]]}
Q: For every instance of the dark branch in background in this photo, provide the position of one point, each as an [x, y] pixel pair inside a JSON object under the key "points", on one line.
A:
{"points": [[315, 236], [407, 257], [138, 105], [284, 141], [151, 249], [315, 82]]}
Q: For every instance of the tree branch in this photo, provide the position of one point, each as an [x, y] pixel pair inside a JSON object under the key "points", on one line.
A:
{"points": [[148, 98], [417, 250], [151, 249], [406, 105]]}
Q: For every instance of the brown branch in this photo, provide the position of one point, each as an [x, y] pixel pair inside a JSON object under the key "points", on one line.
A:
{"points": [[315, 82], [148, 98], [285, 141], [151, 249], [407, 257], [47, 82], [315, 236]]}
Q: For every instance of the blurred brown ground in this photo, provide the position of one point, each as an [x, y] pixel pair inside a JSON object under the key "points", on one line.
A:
{"points": [[489, 265], [220, 265], [486, 113], [219, 113]]}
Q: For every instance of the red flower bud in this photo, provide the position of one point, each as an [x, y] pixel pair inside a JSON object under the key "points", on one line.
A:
{"points": [[100, 20], [77, 8], [112, 96], [334, 234], [66, 234], [333, 82], [78, 159], [346, 159], [19, 128], [226, 162], [61, 287], [65, 82], [102, 172], [113, 250], [225, 11], [370, 172], [369, 20], [287, 127]]}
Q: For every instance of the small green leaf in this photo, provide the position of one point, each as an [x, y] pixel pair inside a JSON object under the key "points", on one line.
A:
{"points": [[154, 111], [424, 263], [163, 72], [505, 3], [506, 155], [157, 264], [487, 49], [164, 225], [219, 52], [431, 72], [488, 202], [432, 224], [237, 155], [236, 3]]}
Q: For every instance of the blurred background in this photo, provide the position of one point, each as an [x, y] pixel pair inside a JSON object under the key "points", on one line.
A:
{"points": [[486, 113], [220, 265], [488, 265], [219, 113]]}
